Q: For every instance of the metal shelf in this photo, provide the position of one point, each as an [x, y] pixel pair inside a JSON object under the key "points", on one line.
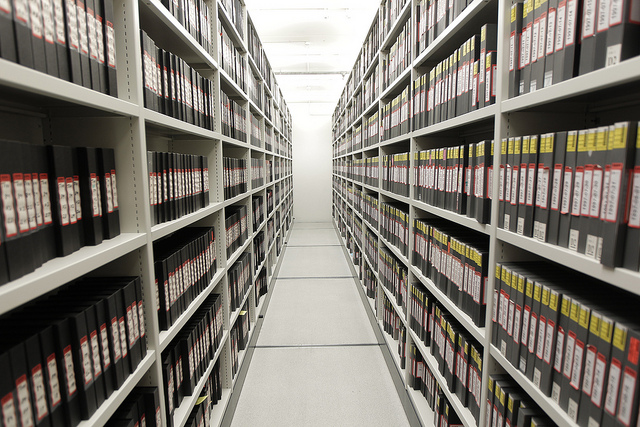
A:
{"points": [[59, 271]]}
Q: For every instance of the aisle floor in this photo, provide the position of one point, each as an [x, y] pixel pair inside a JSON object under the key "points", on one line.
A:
{"points": [[317, 361]]}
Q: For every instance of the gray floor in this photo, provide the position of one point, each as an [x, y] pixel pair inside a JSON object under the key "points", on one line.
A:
{"points": [[316, 361]]}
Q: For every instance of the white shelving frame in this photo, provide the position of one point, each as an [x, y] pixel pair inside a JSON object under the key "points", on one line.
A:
{"points": [[59, 112], [530, 113]]}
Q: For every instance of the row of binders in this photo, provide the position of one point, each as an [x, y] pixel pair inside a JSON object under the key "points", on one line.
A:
{"points": [[456, 178], [257, 173], [369, 280], [173, 88], [395, 225], [367, 206], [239, 279], [63, 355], [196, 17], [257, 202], [140, 408], [371, 249], [508, 404], [422, 379], [187, 357], [432, 18], [239, 338], [262, 285], [259, 250], [392, 325], [178, 185], [209, 396], [458, 357], [395, 173], [56, 199], [255, 137], [465, 81], [234, 118], [398, 58], [235, 177], [231, 59], [553, 41], [236, 228], [393, 275], [456, 261], [395, 119], [71, 40], [185, 264], [575, 189], [573, 338]]}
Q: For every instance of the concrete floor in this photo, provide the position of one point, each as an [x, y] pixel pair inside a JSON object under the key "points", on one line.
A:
{"points": [[316, 361]]}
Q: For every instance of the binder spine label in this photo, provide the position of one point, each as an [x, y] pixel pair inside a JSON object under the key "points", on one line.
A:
{"points": [[557, 361], [68, 369], [9, 417], [72, 23], [24, 402], [36, 18], [576, 371], [30, 202], [58, 17], [76, 197], [86, 360], [11, 228], [613, 384], [21, 202], [22, 10], [589, 366], [95, 353], [111, 45], [613, 194], [627, 396], [141, 323], [37, 198], [104, 344], [114, 190], [54, 382], [71, 201], [99, 38], [634, 209], [116, 339], [598, 380], [46, 200], [123, 337], [37, 380]]}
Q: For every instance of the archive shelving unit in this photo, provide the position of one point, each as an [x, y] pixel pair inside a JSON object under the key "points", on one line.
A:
{"points": [[40, 109], [600, 97]]}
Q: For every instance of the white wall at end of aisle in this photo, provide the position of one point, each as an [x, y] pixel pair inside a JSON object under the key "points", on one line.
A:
{"points": [[312, 168]]}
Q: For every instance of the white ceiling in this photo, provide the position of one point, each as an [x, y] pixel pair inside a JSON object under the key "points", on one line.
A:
{"points": [[312, 45]]}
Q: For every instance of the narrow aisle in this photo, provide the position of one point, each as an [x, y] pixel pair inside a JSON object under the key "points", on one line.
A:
{"points": [[317, 361]]}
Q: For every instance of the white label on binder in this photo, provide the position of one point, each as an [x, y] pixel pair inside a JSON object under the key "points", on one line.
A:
{"points": [[76, 195], [588, 18], [31, 204], [21, 202], [634, 210], [551, 32], [69, 372], [111, 45], [589, 366], [141, 318], [613, 195], [603, 15], [627, 397], [557, 361], [123, 337], [37, 384], [95, 354], [36, 18], [24, 401], [46, 201], [613, 384], [598, 380], [54, 384], [114, 189], [100, 39], [37, 198], [86, 360], [576, 372], [71, 201], [82, 27], [104, 345], [115, 332]]}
